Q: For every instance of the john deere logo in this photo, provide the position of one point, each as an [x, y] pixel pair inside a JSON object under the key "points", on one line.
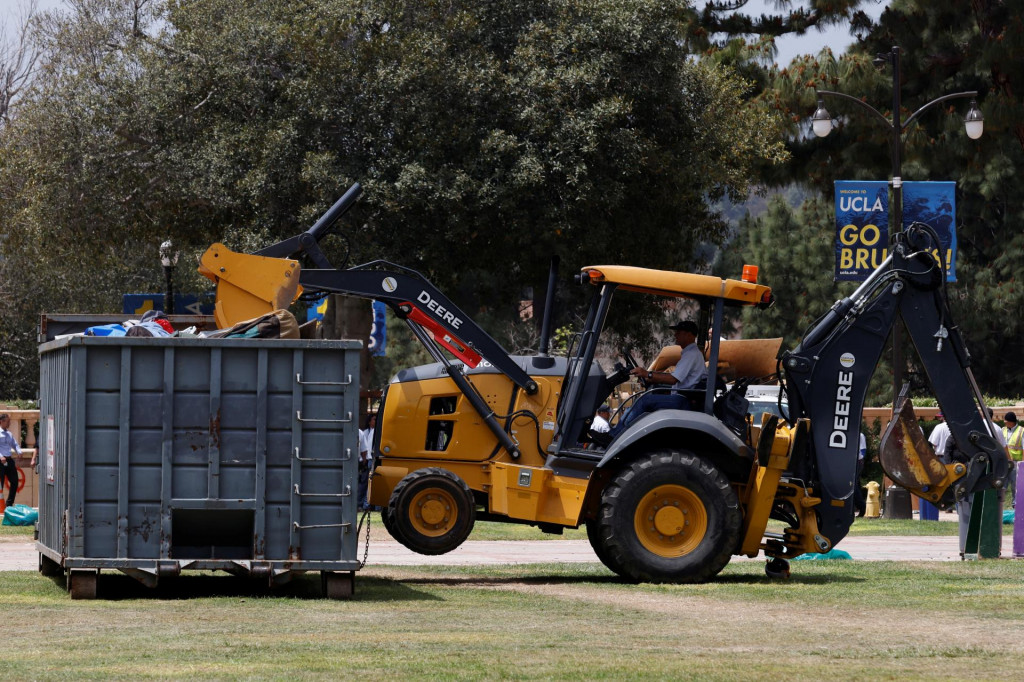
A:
{"points": [[389, 284]]}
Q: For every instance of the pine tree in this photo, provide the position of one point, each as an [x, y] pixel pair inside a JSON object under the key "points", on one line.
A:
{"points": [[945, 48]]}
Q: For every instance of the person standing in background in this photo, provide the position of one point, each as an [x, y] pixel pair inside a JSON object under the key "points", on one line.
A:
{"points": [[366, 460], [939, 437], [8, 467], [600, 424], [859, 498], [1013, 434]]}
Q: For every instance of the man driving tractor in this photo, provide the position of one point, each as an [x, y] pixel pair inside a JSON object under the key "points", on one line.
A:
{"points": [[690, 372]]}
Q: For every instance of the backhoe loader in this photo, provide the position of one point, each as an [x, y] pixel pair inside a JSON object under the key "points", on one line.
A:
{"points": [[482, 434]]}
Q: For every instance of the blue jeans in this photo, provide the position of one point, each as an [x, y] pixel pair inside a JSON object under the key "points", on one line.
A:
{"points": [[363, 487], [650, 402]]}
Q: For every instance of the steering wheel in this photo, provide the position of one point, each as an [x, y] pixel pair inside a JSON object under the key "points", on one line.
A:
{"points": [[631, 363]]}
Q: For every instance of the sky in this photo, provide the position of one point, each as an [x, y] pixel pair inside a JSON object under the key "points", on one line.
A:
{"points": [[789, 47]]}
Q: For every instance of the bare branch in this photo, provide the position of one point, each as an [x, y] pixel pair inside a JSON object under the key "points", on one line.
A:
{"points": [[18, 58]]}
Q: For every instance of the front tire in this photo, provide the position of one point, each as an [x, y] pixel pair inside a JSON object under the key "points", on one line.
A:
{"points": [[669, 517], [431, 511]]}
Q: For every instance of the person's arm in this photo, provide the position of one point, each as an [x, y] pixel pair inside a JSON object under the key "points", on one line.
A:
{"points": [[653, 377]]}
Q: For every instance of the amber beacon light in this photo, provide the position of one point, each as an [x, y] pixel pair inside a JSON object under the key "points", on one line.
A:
{"points": [[750, 274]]}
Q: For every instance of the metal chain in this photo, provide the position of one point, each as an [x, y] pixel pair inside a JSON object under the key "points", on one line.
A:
{"points": [[366, 551]]}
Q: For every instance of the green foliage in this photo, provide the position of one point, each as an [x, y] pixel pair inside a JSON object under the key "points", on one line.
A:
{"points": [[946, 48], [488, 136]]}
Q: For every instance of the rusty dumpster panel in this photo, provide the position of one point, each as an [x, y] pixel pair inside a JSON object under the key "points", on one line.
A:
{"points": [[158, 455]]}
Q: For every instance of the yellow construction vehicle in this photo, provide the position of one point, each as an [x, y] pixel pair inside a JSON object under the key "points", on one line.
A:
{"points": [[481, 434]]}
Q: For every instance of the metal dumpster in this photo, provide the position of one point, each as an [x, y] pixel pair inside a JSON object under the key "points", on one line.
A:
{"points": [[159, 455]]}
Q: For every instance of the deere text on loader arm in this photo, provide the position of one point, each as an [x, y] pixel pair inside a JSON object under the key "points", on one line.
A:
{"points": [[482, 434]]}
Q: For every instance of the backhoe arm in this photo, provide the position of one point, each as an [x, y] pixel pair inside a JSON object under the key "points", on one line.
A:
{"points": [[827, 377]]}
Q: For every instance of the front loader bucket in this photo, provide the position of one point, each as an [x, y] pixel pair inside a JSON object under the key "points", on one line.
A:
{"points": [[249, 286], [907, 457]]}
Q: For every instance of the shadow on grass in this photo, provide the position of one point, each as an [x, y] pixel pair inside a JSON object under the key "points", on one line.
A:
{"points": [[600, 579], [795, 579], [485, 581], [113, 586]]}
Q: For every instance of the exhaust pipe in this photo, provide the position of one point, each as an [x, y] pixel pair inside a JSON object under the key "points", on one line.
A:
{"points": [[549, 304]]}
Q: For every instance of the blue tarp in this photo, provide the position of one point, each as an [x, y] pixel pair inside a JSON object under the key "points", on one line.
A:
{"points": [[831, 554], [20, 515]]}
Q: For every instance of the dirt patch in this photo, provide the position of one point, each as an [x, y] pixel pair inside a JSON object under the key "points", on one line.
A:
{"points": [[751, 625]]}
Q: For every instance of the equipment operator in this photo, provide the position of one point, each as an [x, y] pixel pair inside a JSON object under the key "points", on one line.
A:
{"points": [[690, 372]]}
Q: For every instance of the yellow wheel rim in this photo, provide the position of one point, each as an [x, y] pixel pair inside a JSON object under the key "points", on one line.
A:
{"points": [[433, 512], [670, 521]]}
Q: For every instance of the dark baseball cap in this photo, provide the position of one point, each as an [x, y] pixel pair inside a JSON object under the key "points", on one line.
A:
{"points": [[685, 326], [1010, 417]]}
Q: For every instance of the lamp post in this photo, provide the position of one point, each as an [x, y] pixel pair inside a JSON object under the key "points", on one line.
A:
{"points": [[821, 124], [168, 258]]}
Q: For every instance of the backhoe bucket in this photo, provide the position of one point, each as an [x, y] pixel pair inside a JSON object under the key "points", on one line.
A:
{"points": [[907, 457], [249, 286]]}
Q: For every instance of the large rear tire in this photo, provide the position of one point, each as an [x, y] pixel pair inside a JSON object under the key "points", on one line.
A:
{"points": [[669, 517], [431, 511], [594, 535]]}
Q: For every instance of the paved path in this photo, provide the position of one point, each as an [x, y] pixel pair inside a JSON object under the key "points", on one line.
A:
{"points": [[22, 556], [17, 555]]}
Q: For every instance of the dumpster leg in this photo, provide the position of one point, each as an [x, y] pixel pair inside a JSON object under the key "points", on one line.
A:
{"points": [[82, 584], [49, 567], [338, 585]]}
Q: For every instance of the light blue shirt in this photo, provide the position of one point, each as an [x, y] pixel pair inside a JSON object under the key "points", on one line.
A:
{"points": [[690, 369], [8, 443]]}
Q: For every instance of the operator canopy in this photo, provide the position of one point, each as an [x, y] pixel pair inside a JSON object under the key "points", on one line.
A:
{"points": [[680, 284]]}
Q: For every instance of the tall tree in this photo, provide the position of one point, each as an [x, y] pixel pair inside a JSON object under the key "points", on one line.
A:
{"points": [[946, 47], [488, 136]]}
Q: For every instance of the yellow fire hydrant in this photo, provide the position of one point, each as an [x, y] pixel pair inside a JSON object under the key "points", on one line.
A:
{"points": [[873, 507]]}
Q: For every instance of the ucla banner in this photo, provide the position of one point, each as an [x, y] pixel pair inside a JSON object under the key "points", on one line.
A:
{"points": [[934, 204], [862, 228], [862, 223]]}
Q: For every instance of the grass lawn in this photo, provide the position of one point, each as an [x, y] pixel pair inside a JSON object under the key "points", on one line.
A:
{"points": [[844, 620], [17, 532]]}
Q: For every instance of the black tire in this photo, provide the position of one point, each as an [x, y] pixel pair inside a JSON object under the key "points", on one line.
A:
{"points": [[594, 535], [389, 525], [385, 519], [431, 511], [669, 517]]}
